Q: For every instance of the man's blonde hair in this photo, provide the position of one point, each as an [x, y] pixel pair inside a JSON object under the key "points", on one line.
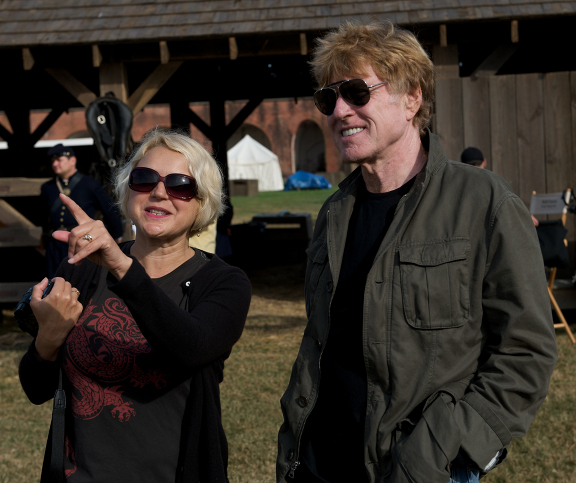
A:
{"points": [[201, 165], [394, 53]]}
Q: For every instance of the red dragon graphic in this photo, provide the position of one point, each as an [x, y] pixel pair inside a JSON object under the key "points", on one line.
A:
{"points": [[100, 362]]}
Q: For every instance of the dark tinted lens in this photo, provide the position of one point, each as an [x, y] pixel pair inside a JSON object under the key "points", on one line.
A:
{"points": [[180, 186], [325, 100], [355, 91], [143, 180]]}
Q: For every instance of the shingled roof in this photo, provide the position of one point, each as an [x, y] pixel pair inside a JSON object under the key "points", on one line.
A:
{"points": [[28, 23]]}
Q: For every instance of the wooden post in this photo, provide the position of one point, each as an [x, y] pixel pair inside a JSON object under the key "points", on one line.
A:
{"points": [[233, 46], [514, 32], [164, 52], [113, 78], [476, 115], [446, 61], [96, 56], [218, 129], [443, 36], [448, 122], [179, 118], [27, 58], [303, 44]]}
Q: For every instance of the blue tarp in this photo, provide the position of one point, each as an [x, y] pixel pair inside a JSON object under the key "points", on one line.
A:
{"points": [[301, 180]]}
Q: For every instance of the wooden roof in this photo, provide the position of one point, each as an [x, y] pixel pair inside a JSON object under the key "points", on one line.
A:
{"points": [[27, 23]]}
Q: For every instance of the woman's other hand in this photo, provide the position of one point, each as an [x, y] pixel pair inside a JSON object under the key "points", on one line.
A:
{"points": [[56, 314], [91, 240]]}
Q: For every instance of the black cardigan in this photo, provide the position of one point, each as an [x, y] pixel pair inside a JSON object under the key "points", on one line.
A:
{"points": [[198, 342]]}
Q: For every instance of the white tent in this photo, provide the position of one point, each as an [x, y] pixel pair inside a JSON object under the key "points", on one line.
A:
{"points": [[250, 160]]}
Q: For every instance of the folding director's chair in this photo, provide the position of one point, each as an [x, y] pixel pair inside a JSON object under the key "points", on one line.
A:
{"points": [[553, 204]]}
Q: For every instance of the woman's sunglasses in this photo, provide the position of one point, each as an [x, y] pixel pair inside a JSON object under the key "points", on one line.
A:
{"points": [[353, 91], [178, 186]]}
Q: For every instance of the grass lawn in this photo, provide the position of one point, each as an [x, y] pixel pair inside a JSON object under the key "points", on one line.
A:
{"points": [[307, 201], [255, 377]]}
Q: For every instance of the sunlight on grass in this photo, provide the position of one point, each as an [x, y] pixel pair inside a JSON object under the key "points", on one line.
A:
{"points": [[307, 201]]}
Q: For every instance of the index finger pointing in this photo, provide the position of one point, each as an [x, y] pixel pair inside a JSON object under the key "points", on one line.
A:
{"points": [[77, 212]]}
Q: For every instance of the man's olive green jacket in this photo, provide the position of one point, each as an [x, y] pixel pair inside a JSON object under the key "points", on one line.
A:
{"points": [[458, 338]]}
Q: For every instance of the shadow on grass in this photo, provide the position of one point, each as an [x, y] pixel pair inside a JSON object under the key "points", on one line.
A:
{"points": [[278, 282], [267, 323], [11, 337]]}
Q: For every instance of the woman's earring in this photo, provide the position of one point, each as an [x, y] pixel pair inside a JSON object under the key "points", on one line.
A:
{"points": [[199, 232]]}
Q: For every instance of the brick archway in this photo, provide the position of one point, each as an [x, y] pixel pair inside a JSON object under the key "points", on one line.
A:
{"points": [[309, 148]]}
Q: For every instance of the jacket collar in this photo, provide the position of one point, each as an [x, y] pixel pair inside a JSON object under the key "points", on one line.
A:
{"points": [[436, 159]]}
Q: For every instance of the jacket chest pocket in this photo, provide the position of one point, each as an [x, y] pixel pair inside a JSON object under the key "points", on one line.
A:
{"points": [[434, 279]]}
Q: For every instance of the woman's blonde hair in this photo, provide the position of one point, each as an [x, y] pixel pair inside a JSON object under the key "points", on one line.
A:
{"points": [[394, 54], [202, 167]]}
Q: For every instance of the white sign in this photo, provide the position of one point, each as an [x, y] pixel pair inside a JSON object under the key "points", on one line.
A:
{"points": [[547, 204]]}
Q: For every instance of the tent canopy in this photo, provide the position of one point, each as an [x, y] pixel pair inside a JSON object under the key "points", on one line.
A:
{"points": [[248, 159]]}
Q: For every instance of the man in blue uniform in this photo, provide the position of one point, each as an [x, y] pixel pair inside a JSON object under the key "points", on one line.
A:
{"points": [[86, 191]]}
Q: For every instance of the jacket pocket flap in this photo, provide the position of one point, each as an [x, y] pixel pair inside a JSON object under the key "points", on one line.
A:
{"points": [[434, 253], [318, 251]]}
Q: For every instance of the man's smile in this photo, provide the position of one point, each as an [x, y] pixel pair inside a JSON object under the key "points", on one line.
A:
{"points": [[349, 132]]}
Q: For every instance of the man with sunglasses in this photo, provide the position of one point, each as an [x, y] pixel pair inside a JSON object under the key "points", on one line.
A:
{"points": [[429, 344], [84, 190]]}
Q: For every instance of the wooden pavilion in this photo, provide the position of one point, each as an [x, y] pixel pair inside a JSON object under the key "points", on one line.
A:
{"points": [[504, 83]]}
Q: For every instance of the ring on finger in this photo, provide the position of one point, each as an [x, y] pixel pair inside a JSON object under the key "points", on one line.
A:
{"points": [[77, 292], [88, 237]]}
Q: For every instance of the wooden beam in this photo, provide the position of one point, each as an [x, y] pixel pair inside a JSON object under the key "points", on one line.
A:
{"points": [[443, 36], [113, 78], [19, 118], [78, 90], [200, 124], [164, 52], [27, 58], [96, 56], [233, 47], [303, 44], [20, 237], [10, 217], [514, 32], [5, 134], [153, 83], [46, 124], [21, 186], [495, 60], [242, 115]]}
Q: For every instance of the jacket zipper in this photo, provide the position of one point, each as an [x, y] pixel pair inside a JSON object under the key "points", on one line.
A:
{"points": [[294, 466]]}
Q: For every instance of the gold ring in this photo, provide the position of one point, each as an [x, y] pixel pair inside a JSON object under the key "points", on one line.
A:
{"points": [[88, 237], [76, 291]]}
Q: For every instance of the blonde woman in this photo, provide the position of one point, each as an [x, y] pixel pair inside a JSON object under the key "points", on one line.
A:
{"points": [[142, 330]]}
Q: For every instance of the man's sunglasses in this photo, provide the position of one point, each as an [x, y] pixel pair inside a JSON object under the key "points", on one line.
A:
{"points": [[353, 91], [178, 186]]}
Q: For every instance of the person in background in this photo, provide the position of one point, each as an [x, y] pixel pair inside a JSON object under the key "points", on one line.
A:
{"points": [[142, 330], [85, 191], [430, 341], [473, 157]]}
